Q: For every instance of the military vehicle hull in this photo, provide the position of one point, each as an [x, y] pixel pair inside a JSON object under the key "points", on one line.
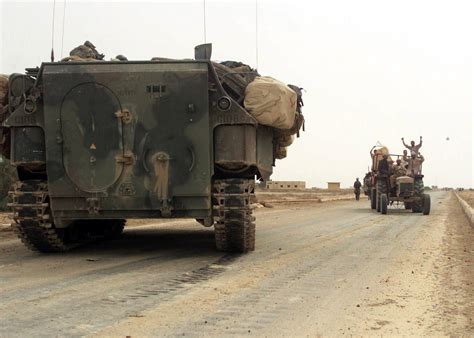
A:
{"points": [[107, 141]]}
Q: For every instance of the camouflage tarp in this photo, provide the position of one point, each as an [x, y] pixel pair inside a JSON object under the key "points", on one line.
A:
{"points": [[84, 52]]}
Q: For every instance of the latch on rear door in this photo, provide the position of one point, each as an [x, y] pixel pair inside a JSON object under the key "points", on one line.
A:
{"points": [[124, 115], [125, 158]]}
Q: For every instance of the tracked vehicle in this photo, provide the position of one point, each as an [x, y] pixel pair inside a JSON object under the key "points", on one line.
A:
{"points": [[95, 143]]}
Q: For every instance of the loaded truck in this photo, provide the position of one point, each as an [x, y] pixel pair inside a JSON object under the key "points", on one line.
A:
{"points": [[406, 190], [97, 142]]}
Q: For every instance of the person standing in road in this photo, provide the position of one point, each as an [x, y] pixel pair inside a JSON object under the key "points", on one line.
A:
{"points": [[414, 149], [357, 186]]}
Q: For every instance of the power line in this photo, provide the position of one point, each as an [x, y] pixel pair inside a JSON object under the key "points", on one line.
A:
{"points": [[256, 33], [204, 13], [64, 20], [52, 31]]}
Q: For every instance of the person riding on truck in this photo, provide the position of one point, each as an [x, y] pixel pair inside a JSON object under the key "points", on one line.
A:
{"points": [[414, 167], [405, 158], [414, 149], [384, 168], [398, 170]]}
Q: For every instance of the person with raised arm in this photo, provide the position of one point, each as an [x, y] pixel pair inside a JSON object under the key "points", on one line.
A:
{"points": [[414, 149]]}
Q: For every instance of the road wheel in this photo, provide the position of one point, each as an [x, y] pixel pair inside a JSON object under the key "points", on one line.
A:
{"points": [[383, 204], [407, 205], [33, 223], [373, 198], [113, 228], [426, 204]]}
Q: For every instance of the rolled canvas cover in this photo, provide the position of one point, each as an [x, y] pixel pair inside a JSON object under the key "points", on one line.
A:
{"points": [[405, 179], [381, 150], [271, 102]]}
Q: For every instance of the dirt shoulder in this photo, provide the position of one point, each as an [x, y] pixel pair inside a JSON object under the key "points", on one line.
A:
{"points": [[429, 289], [457, 263], [5, 229], [468, 196]]}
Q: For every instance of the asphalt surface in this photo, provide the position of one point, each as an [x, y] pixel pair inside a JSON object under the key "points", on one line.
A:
{"points": [[330, 268]]}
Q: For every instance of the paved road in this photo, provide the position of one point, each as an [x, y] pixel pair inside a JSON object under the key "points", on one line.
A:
{"points": [[331, 268]]}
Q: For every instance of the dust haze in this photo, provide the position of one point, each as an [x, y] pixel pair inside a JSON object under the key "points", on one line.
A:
{"points": [[372, 71]]}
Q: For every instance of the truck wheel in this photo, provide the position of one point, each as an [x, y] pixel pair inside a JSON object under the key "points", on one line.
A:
{"points": [[417, 205], [419, 187], [426, 204], [235, 225], [373, 198], [383, 204], [380, 190]]}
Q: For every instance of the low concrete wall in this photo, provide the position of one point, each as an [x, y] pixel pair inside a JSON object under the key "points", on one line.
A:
{"points": [[467, 209], [300, 197]]}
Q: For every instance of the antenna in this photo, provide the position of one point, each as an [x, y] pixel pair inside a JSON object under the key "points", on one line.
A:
{"points": [[256, 33], [204, 15], [52, 32], [62, 37]]}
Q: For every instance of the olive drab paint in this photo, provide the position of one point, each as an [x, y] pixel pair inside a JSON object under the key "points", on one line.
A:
{"points": [[103, 141]]}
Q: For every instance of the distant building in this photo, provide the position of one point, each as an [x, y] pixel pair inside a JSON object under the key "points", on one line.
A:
{"points": [[286, 185], [334, 186]]}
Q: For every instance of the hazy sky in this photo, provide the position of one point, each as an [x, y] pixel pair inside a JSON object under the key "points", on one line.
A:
{"points": [[372, 70]]}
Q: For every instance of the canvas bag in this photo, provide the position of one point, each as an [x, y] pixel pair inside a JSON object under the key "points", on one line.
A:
{"points": [[271, 102], [3, 90]]}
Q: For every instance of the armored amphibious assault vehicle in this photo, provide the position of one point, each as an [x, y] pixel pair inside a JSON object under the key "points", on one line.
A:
{"points": [[97, 142]]}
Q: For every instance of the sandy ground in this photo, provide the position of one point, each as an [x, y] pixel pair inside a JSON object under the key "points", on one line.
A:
{"points": [[268, 199], [287, 197], [328, 269], [468, 196]]}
